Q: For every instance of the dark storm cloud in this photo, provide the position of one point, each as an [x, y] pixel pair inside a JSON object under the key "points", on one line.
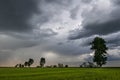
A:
{"points": [[14, 14], [116, 2], [113, 40], [68, 48], [12, 43], [99, 26], [36, 35], [109, 27], [104, 28], [59, 2], [114, 57]]}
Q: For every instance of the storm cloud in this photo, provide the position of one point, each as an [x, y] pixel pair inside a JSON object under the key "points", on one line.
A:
{"points": [[14, 14], [59, 30], [107, 21]]}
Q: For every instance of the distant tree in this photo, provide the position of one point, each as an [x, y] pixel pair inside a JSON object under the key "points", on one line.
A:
{"points": [[17, 65], [42, 62], [60, 65], [88, 64], [66, 66], [54, 66], [100, 55], [26, 64], [91, 65], [81, 66], [37, 66], [20, 65], [30, 62]]}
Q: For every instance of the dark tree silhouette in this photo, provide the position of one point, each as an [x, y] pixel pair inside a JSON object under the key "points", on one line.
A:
{"points": [[30, 62], [20, 65], [17, 65], [26, 64], [54, 66], [42, 62], [66, 66], [60, 65], [100, 55]]}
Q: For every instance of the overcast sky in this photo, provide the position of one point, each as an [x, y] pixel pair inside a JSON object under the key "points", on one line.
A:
{"points": [[59, 30]]}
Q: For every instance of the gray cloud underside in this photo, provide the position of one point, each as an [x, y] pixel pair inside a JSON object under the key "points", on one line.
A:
{"points": [[98, 29], [14, 14]]}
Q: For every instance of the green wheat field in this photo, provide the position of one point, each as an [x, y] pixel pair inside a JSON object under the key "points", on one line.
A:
{"points": [[59, 73]]}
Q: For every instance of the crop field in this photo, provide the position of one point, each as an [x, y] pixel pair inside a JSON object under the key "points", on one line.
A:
{"points": [[59, 73]]}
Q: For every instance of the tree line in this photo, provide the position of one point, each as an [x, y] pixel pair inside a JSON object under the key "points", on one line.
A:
{"points": [[30, 62], [98, 45]]}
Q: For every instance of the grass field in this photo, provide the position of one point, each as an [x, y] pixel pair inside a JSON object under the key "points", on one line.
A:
{"points": [[59, 73]]}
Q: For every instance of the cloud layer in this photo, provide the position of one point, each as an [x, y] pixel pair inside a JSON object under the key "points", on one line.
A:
{"points": [[99, 20], [59, 30]]}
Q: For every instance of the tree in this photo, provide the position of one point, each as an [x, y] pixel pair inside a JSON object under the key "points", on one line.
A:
{"points": [[54, 66], [66, 66], [91, 65], [26, 64], [30, 62], [20, 65], [42, 62], [17, 65], [60, 65], [100, 54]]}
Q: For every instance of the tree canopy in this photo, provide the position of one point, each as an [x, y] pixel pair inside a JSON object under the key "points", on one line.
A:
{"points": [[100, 54]]}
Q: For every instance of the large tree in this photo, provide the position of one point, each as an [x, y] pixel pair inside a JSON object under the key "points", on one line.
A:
{"points": [[42, 62], [100, 54]]}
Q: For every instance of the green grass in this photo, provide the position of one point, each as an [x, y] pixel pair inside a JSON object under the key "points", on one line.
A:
{"points": [[59, 73]]}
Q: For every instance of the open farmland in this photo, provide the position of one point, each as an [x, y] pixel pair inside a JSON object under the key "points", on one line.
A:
{"points": [[59, 73]]}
